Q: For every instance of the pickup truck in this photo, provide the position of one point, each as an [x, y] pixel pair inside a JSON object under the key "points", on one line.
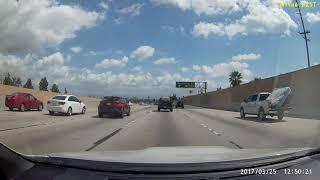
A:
{"points": [[264, 103]]}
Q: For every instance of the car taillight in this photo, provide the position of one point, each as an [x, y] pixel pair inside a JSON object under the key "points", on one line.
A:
{"points": [[61, 103]]}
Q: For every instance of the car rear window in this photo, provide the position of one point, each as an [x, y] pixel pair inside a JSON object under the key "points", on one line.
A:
{"points": [[59, 97], [263, 97], [110, 98], [165, 99]]}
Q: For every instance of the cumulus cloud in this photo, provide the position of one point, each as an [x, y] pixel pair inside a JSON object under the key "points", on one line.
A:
{"points": [[52, 66], [224, 69], [313, 17], [143, 52], [76, 49], [261, 18], [184, 69], [170, 60], [206, 7], [104, 5], [137, 68], [246, 57], [132, 10], [112, 63], [32, 25]]}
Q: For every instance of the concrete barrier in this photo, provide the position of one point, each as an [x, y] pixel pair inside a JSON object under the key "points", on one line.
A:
{"points": [[304, 83]]}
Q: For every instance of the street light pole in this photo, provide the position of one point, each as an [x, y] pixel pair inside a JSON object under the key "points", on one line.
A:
{"points": [[304, 33]]}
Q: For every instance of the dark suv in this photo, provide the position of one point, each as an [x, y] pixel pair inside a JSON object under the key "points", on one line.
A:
{"points": [[165, 103]]}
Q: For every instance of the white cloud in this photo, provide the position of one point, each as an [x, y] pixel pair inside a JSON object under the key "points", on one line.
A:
{"points": [[262, 17], [112, 63], [184, 69], [224, 69], [173, 29], [246, 57], [104, 5], [76, 49], [313, 17], [170, 60], [143, 52], [118, 21], [91, 53], [206, 7], [132, 10], [34, 25], [137, 68], [52, 66]]}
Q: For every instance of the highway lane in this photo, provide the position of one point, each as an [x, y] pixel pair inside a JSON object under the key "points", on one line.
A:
{"points": [[147, 127]]}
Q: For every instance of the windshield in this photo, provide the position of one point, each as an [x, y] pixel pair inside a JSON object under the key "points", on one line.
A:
{"points": [[139, 74]]}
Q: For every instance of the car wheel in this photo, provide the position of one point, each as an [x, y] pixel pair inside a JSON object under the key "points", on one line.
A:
{"points": [[100, 115], [158, 109], [83, 110], [22, 108], [121, 115], [242, 114], [69, 112], [40, 107], [280, 115], [128, 114], [10, 108], [171, 110], [261, 115], [51, 112]]}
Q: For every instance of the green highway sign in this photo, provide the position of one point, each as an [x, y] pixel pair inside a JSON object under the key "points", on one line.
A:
{"points": [[185, 85]]}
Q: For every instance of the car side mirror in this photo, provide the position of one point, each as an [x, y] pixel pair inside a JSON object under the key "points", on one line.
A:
{"points": [[80, 101]]}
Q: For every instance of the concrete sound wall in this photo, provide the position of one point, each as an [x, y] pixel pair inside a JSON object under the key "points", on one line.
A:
{"points": [[304, 83]]}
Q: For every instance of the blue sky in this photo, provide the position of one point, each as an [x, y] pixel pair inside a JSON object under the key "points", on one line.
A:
{"points": [[140, 48]]}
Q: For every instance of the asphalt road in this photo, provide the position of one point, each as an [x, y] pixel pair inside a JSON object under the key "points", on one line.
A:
{"points": [[38, 133]]}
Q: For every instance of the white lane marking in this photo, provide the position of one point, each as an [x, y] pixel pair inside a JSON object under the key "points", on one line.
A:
{"points": [[216, 133]]}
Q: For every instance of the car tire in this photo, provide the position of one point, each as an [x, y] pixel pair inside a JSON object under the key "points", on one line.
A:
{"points": [[69, 112], [280, 115], [51, 112], [242, 114], [171, 110], [10, 108], [40, 107], [128, 114], [83, 110], [22, 108], [100, 115], [158, 109], [121, 115], [261, 115]]}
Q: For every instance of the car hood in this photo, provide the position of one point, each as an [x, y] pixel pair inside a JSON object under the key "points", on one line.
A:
{"points": [[175, 155]]}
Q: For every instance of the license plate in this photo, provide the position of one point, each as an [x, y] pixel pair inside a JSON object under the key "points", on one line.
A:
{"points": [[108, 104]]}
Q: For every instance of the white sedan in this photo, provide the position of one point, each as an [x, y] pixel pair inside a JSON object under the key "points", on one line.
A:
{"points": [[67, 104]]}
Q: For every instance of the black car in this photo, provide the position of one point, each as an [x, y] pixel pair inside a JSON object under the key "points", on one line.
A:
{"points": [[165, 103], [180, 104]]}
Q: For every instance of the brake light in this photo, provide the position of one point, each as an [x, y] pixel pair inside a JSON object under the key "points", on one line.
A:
{"points": [[61, 103]]}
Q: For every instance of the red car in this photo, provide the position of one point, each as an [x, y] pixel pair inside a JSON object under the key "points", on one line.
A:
{"points": [[113, 105], [23, 101]]}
